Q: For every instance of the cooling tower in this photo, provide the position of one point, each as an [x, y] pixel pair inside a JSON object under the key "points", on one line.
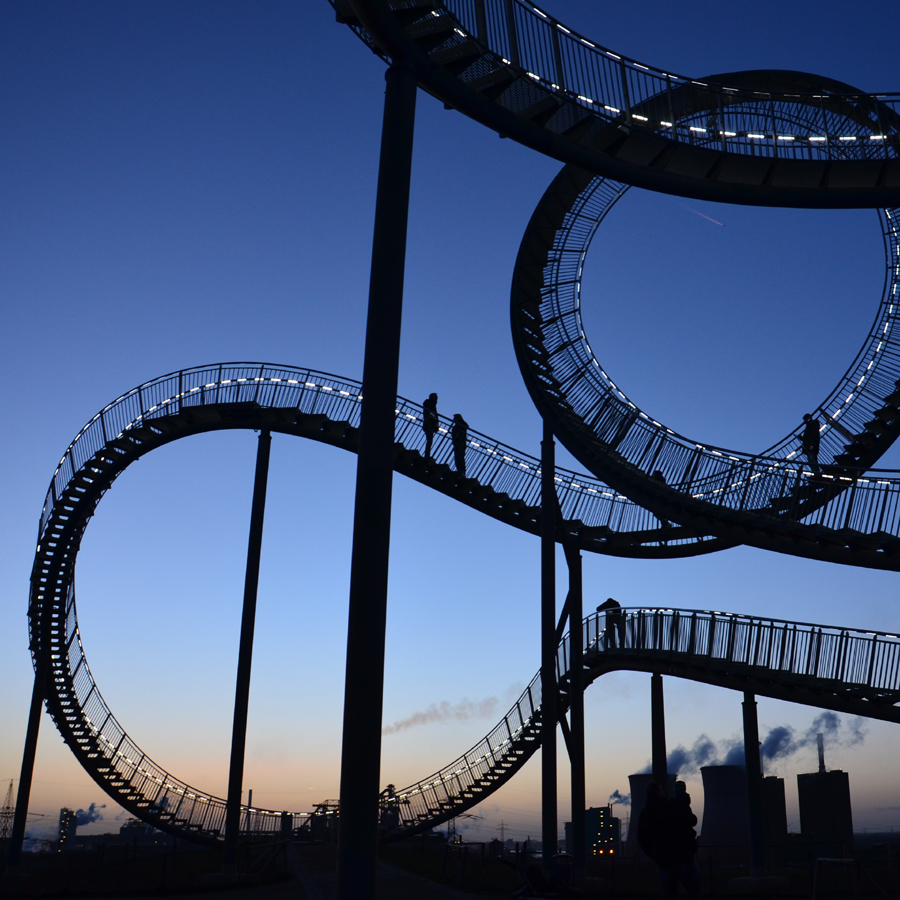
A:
{"points": [[725, 829], [638, 786]]}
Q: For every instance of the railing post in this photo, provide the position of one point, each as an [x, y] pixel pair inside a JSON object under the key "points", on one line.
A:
{"points": [[481, 32], [557, 56], [747, 484], [511, 32], [364, 681], [674, 130], [623, 75], [872, 660], [850, 503]]}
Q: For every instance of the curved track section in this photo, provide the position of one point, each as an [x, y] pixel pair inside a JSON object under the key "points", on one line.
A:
{"points": [[759, 138], [833, 668], [771, 499], [504, 484], [836, 668]]}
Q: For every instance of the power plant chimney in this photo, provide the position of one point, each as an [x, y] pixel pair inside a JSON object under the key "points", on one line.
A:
{"points": [[820, 740]]}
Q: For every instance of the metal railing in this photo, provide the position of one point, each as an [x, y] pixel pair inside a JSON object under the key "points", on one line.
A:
{"points": [[490, 462], [843, 660], [80, 709], [790, 649], [838, 122], [853, 661], [557, 360]]}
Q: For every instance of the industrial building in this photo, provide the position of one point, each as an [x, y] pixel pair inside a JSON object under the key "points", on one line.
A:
{"points": [[68, 825], [602, 832], [826, 819]]}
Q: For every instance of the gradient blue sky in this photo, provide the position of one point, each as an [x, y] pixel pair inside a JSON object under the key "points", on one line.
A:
{"points": [[193, 182]]}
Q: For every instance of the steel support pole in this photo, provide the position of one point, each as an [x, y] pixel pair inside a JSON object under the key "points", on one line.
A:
{"points": [[245, 655], [576, 708], [658, 732], [754, 786], [549, 705], [31, 738], [364, 681]]}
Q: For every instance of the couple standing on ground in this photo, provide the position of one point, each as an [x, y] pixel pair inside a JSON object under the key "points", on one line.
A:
{"points": [[459, 432], [666, 834]]}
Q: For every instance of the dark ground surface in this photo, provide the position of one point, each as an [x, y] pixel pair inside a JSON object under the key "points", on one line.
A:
{"points": [[302, 873], [410, 872]]}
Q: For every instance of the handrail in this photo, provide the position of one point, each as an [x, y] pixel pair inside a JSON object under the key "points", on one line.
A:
{"points": [[841, 663], [616, 88], [310, 392], [157, 409], [619, 442], [764, 138]]}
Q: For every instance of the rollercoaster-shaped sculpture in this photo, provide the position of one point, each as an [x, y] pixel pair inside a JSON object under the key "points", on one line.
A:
{"points": [[765, 137]]}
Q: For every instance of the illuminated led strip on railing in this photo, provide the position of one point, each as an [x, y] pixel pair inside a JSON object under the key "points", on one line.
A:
{"points": [[668, 80], [476, 441], [560, 300]]}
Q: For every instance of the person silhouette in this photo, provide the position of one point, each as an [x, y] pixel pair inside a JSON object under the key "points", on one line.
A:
{"points": [[459, 433], [666, 834], [614, 633], [809, 441], [429, 422]]}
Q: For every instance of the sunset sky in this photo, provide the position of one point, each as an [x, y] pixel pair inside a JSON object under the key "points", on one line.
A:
{"points": [[193, 182]]}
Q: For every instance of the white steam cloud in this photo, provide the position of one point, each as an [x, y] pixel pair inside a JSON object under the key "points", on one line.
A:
{"points": [[447, 712]]}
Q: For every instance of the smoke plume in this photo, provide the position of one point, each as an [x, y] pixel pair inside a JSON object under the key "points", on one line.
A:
{"points": [[91, 814], [446, 712], [780, 743], [621, 799]]}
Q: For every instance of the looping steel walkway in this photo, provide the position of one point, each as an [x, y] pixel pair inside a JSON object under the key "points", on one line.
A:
{"points": [[840, 669], [772, 499], [760, 138], [503, 484], [763, 138]]}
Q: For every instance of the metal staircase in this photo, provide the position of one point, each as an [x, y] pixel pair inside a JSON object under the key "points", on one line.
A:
{"points": [[839, 669], [763, 138], [849, 514], [833, 668]]}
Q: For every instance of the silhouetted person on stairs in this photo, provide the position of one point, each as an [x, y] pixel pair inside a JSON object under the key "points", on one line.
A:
{"points": [[810, 442], [614, 632], [429, 422], [459, 434]]}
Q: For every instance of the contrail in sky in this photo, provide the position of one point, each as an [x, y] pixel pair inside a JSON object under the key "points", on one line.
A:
{"points": [[708, 219]]}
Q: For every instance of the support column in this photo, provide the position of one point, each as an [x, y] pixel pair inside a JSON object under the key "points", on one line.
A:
{"points": [[364, 682], [576, 707], [658, 732], [754, 786], [245, 655], [31, 738], [549, 705]]}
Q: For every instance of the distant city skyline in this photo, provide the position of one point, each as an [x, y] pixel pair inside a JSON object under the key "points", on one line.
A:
{"points": [[190, 183]]}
